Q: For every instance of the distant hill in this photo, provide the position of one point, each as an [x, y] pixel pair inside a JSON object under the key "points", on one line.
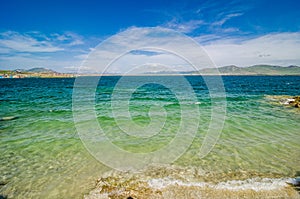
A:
{"points": [[253, 70], [40, 70]]}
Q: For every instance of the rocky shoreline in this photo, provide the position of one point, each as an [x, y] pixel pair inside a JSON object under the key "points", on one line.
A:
{"points": [[291, 101], [175, 182], [131, 188]]}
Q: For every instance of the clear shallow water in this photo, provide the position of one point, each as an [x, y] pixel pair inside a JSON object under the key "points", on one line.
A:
{"points": [[42, 155]]}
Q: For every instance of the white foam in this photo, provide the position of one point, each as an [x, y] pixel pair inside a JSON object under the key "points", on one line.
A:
{"points": [[256, 184], [287, 101], [161, 183]]}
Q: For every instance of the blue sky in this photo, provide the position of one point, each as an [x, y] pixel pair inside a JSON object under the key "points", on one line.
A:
{"points": [[60, 34]]}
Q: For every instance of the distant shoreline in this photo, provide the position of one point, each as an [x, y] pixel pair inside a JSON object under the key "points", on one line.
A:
{"points": [[232, 70], [137, 75], [198, 74]]}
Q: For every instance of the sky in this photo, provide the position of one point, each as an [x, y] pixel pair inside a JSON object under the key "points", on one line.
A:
{"points": [[61, 34]]}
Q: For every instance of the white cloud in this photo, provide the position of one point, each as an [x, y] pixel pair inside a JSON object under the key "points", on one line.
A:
{"points": [[169, 48], [277, 48], [26, 61]]}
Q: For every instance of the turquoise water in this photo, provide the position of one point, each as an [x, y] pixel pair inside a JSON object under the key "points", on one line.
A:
{"points": [[42, 155]]}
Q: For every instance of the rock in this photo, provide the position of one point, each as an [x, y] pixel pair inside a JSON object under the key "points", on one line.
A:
{"points": [[296, 102], [291, 101], [297, 98], [294, 182]]}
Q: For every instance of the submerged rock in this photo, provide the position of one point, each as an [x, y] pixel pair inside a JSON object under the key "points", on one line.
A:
{"points": [[8, 118]]}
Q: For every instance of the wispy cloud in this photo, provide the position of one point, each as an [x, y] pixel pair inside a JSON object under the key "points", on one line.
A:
{"points": [[68, 38], [225, 19], [36, 42], [208, 17], [17, 42], [184, 27], [32, 49]]}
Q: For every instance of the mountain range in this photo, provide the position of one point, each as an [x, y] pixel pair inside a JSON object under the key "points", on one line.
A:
{"points": [[36, 70]]}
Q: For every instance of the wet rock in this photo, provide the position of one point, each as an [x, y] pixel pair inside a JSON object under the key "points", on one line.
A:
{"points": [[295, 102], [294, 181]]}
